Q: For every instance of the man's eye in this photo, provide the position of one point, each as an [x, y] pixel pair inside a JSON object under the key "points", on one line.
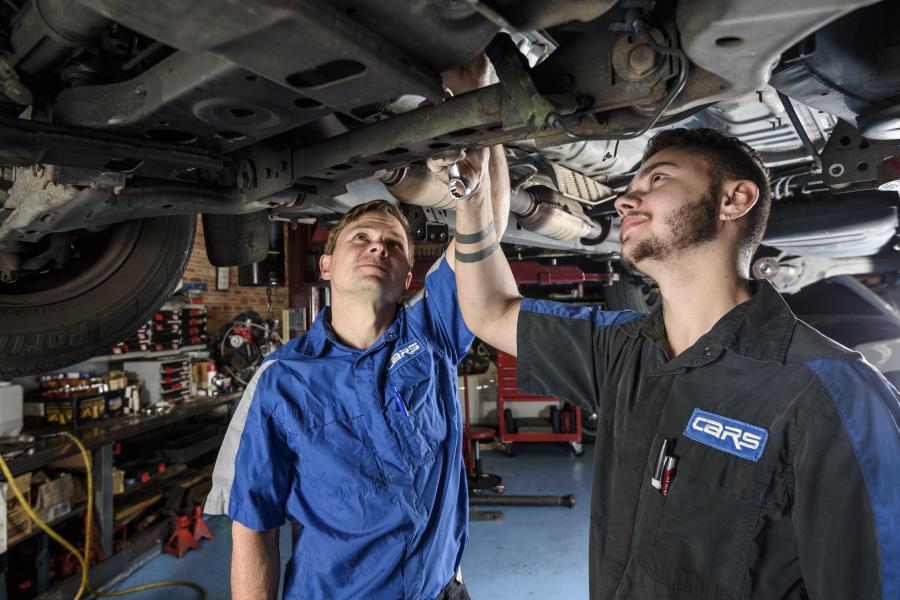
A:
{"points": [[360, 236], [396, 245], [656, 177]]}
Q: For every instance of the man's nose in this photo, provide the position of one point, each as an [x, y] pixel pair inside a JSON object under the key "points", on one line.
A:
{"points": [[627, 202], [377, 247]]}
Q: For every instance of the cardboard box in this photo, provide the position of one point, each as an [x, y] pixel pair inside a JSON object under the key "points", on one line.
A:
{"points": [[53, 497], [118, 481], [16, 524]]}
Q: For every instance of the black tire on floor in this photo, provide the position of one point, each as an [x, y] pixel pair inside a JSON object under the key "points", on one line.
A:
{"points": [[554, 419], [134, 268], [509, 422], [631, 292]]}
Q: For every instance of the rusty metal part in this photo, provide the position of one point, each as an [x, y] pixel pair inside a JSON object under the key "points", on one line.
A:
{"points": [[633, 59], [532, 108], [40, 206]]}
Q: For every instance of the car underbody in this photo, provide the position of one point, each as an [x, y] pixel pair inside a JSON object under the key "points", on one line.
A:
{"points": [[121, 121]]}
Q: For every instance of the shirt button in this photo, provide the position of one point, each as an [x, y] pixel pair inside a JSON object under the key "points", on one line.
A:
{"points": [[707, 351]]}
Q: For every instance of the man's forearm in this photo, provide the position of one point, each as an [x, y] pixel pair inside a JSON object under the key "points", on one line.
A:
{"points": [[487, 289], [498, 171], [255, 563]]}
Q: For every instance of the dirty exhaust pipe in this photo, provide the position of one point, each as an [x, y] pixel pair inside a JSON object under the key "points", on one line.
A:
{"points": [[539, 209]]}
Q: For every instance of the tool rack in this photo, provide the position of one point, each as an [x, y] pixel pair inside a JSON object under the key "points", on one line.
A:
{"points": [[99, 440], [508, 392]]}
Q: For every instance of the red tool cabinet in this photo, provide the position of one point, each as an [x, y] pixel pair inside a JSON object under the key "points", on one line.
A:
{"points": [[569, 426]]}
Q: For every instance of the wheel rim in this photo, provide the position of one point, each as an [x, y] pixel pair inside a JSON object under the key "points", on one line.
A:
{"points": [[105, 252]]}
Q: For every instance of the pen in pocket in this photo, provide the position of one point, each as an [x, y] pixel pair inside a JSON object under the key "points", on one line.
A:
{"points": [[399, 400]]}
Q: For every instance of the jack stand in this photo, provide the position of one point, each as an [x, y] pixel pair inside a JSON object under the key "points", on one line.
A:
{"points": [[181, 539], [199, 527]]}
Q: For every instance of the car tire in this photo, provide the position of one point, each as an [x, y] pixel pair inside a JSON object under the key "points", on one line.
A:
{"points": [[631, 292], [134, 268]]}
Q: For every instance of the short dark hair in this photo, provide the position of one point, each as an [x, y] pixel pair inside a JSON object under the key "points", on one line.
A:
{"points": [[727, 158], [357, 212]]}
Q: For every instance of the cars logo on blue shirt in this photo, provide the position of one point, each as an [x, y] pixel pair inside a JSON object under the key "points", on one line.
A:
{"points": [[408, 350], [728, 435]]}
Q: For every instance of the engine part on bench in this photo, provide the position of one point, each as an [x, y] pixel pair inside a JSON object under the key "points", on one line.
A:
{"points": [[417, 185], [543, 210]]}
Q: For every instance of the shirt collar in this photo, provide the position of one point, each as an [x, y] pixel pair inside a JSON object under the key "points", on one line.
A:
{"points": [[321, 334], [760, 328]]}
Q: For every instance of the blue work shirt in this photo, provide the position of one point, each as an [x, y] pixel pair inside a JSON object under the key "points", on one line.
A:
{"points": [[362, 448]]}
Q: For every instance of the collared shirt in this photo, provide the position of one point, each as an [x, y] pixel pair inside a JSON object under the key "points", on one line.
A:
{"points": [[787, 448], [362, 448]]}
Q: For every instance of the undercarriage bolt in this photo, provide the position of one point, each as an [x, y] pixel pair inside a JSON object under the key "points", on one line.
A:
{"points": [[8, 276]]}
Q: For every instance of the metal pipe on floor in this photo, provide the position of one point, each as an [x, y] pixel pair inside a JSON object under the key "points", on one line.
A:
{"points": [[568, 501]]}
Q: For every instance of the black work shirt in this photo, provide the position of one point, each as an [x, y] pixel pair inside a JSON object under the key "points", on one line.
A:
{"points": [[787, 483]]}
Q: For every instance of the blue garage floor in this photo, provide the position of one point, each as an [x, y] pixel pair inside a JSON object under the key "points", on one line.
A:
{"points": [[536, 552]]}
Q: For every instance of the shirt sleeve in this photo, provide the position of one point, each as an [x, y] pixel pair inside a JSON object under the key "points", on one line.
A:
{"points": [[846, 508], [436, 308], [559, 349], [252, 476]]}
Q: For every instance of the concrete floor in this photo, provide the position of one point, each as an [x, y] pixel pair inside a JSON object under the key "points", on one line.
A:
{"points": [[536, 552]]}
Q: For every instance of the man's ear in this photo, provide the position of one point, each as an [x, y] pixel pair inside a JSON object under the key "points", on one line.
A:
{"points": [[325, 267], [408, 281], [740, 197]]}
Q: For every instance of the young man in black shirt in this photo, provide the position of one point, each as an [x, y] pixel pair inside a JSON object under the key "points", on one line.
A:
{"points": [[740, 453]]}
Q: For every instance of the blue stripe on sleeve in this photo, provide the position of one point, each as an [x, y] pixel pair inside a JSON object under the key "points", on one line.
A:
{"points": [[599, 318], [870, 411], [438, 305]]}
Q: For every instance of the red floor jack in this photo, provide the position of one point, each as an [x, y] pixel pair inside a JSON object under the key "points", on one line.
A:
{"points": [[199, 527], [181, 539]]}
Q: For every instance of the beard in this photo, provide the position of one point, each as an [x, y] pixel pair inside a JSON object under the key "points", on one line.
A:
{"points": [[691, 225]]}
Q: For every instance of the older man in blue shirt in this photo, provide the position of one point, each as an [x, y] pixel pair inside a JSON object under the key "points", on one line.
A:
{"points": [[353, 430]]}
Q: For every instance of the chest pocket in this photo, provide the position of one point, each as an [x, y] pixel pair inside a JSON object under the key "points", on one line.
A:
{"points": [[337, 456], [706, 523], [423, 426]]}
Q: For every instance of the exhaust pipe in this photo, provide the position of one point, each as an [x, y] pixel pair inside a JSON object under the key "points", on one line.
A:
{"points": [[545, 211], [539, 209], [417, 185]]}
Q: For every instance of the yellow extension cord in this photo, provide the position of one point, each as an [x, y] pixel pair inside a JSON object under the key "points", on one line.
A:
{"points": [[88, 521]]}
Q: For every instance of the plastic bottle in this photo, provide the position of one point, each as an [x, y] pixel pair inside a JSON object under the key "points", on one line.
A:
{"points": [[11, 420]]}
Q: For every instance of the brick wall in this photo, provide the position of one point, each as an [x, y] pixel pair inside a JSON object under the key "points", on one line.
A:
{"points": [[223, 306]]}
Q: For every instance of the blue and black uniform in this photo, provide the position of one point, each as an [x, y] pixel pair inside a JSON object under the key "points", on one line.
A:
{"points": [[787, 480], [361, 448]]}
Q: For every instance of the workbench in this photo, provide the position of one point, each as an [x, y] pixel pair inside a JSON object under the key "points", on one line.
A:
{"points": [[99, 439]]}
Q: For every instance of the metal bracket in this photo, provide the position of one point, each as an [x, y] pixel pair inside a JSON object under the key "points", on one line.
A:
{"points": [[427, 224], [852, 163], [520, 90]]}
